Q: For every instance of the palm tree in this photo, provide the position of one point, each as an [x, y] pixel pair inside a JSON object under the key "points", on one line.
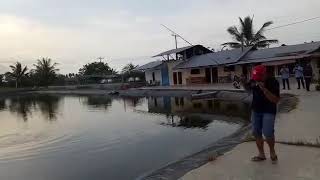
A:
{"points": [[45, 71], [17, 72], [247, 36]]}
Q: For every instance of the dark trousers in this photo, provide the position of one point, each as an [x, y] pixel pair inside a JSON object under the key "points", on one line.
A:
{"points": [[284, 81], [300, 80], [308, 81]]}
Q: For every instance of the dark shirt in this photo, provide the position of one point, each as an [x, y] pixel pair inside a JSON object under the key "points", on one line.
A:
{"points": [[307, 71], [260, 103]]}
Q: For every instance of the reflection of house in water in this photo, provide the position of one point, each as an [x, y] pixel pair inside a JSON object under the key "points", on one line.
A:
{"points": [[187, 121], [160, 105], [182, 105], [184, 112], [132, 101]]}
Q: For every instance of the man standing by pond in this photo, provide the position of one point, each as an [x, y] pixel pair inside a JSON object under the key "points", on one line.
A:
{"points": [[308, 73], [285, 75], [266, 94], [298, 72]]}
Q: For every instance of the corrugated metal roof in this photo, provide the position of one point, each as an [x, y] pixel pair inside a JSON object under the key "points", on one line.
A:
{"points": [[236, 56], [173, 51], [290, 50], [214, 59], [271, 59], [150, 65]]}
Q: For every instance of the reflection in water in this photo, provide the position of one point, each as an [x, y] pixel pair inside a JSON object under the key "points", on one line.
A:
{"points": [[98, 102], [178, 105], [190, 121], [181, 112], [2, 104], [25, 105], [132, 102], [112, 142], [22, 105], [48, 105]]}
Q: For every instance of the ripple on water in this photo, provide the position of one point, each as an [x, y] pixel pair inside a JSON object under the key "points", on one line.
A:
{"points": [[22, 146]]}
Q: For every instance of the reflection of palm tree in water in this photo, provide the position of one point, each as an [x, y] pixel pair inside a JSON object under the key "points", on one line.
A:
{"points": [[48, 106], [23, 105]]}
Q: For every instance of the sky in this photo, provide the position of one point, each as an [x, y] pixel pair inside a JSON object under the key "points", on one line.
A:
{"points": [[76, 32]]}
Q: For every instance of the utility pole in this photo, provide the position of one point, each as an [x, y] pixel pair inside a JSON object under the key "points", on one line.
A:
{"points": [[100, 58], [176, 40]]}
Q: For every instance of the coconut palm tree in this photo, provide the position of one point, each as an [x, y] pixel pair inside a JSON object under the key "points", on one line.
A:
{"points": [[45, 71], [17, 72], [246, 35]]}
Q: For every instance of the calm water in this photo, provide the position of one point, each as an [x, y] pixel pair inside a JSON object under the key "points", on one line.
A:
{"points": [[96, 137]]}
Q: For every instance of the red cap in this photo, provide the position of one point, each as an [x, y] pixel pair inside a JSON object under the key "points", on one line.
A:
{"points": [[259, 72]]}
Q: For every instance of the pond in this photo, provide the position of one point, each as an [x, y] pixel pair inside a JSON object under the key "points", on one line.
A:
{"points": [[98, 137]]}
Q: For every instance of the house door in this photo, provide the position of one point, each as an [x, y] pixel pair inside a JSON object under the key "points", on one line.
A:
{"points": [[175, 78], [165, 76], [179, 77], [208, 75], [244, 70], [215, 75]]}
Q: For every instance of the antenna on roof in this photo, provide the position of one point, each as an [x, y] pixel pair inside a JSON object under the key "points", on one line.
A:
{"points": [[176, 35]]}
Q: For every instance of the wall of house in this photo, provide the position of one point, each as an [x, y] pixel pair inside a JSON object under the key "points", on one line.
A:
{"points": [[186, 73], [171, 65], [222, 73], [148, 75], [315, 63]]}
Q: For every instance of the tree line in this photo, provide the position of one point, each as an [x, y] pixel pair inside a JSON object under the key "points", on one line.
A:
{"points": [[45, 73]]}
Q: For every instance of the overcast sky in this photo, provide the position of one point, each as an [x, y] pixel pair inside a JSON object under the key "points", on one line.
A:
{"points": [[75, 32]]}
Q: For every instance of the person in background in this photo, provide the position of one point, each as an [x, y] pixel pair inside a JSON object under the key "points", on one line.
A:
{"points": [[285, 74], [298, 72], [265, 96], [308, 73]]}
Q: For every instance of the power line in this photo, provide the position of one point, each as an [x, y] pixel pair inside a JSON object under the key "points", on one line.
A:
{"points": [[290, 24], [176, 34]]}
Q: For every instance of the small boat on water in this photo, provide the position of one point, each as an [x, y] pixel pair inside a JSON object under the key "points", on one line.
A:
{"points": [[204, 95]]}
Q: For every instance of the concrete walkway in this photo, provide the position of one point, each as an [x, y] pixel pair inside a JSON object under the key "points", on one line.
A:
{"points": [[301, 163], [295, 163]]}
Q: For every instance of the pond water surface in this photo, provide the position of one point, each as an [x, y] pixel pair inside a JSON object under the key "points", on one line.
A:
{"points": [[97, 137]]}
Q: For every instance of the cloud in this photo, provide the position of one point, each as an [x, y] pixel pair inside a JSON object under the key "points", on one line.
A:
{"points": [[122, 31]]}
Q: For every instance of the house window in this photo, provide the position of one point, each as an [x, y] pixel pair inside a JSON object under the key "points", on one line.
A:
{"points": [[229, 68], [318, 64], [195, 71]]}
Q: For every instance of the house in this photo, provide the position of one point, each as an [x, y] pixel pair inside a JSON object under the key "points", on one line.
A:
{"points": [[211, 68], [275, 57], [161, 72], [220, 67]]}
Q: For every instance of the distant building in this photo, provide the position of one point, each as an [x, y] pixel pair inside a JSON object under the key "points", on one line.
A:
{"points": [[199, 65], [161, 72]]}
